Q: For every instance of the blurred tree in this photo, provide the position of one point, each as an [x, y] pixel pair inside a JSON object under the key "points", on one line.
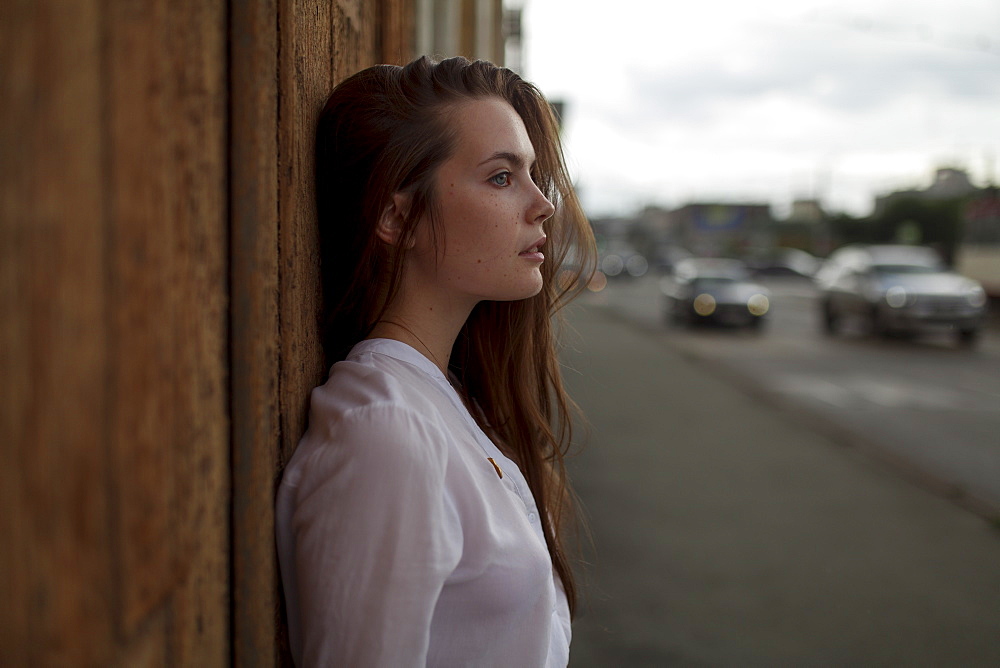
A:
{"points": [[846, 229], [933, 222], [936, 223]]}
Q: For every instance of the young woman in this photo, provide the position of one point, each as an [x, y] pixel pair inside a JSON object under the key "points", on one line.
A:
{"points": [[421, 519]]}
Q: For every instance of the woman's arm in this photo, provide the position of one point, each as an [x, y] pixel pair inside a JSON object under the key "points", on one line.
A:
{"points": [[375, 537]]}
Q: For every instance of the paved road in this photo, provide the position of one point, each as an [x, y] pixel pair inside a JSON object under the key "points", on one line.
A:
{"points": [[727, 534], [927, 403]]}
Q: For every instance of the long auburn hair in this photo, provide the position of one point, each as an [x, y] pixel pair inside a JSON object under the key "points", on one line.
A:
{"points": [[385, 130]]}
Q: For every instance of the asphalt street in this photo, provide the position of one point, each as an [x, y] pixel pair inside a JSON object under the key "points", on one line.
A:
{"points": [[726, 533]]}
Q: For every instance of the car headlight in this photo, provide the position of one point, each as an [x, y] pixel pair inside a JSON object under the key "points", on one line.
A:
{"points": [[758, 304], [704, 304], [895, 296], [976, 296]]}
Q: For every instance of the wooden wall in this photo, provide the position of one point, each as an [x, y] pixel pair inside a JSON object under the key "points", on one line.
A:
{"points": [[158, 296], [114, 308], [282, 73]]}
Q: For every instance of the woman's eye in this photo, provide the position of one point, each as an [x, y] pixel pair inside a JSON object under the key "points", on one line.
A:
{"points": [[501, 179]]}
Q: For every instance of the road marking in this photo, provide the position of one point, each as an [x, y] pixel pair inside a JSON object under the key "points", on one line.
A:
{"points": [[814, 388], [858, 391]]}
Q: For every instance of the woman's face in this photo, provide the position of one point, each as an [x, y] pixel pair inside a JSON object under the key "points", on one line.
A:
{"points": [[487, 244]]}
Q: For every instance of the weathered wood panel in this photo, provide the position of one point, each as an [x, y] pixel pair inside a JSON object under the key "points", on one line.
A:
{"points": [[129, 160], [254, 220], [195, 44], [467, 29], [305, 77], [114, 296], [56, 560], [167, 234], [397, 22], [141, 240]]}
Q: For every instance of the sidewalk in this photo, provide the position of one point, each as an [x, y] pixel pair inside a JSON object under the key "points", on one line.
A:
{"points": [[725, 535]]}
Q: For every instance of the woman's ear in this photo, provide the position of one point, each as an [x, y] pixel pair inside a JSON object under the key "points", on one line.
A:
{"points": [[391, 224]]}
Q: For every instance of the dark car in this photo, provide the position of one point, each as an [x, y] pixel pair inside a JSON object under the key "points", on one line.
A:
{"points": [[898, 289], [714, 290]]}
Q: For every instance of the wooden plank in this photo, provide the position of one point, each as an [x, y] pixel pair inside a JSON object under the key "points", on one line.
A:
{"points": [[499, 55], [144, 418], [196, 52], [305, 80], [169, 446], [397, 36], [353, 38], [151, 648], [55, 560], [254, 326], [467, 30]]}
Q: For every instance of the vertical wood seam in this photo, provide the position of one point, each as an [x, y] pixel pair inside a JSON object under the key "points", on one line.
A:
{"points": [[228, 338], [112, 520]]}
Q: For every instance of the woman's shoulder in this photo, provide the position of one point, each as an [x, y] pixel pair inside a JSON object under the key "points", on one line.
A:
{"points": [[374, 379], [378, 413]]}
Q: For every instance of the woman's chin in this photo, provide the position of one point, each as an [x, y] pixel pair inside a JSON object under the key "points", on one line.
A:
{"points": [[531, 289]]}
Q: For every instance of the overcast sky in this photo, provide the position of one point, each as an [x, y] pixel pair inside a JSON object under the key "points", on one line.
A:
{"points": [[767, 100]]}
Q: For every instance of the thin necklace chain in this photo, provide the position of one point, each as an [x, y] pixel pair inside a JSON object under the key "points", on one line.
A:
{"points": [[414, 335]]}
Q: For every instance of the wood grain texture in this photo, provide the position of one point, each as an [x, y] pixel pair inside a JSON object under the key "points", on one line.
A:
{"points": [[168, 237], [159, 294], [141, 239], [55, 560], [305, 79], [396, 22], [199, 606], [467, 29], [254, 326], [114, 295]]}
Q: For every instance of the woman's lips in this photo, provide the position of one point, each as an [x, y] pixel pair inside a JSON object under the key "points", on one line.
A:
{"points": [[534, 253]]}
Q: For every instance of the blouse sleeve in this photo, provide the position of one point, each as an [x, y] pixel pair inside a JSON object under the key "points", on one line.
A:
{"points": [[375, 536]]}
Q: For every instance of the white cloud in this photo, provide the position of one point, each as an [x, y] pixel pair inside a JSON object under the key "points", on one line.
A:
{"points": [[769, 100]]}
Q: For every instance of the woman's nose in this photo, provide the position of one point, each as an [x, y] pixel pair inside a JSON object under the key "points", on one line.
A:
{"points": [[543, 210]]}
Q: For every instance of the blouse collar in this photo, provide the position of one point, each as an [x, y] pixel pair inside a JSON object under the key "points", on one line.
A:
{"points": [[400, 351]]}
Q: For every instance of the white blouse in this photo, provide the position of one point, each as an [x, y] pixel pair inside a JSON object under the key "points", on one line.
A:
{"points": [[399, 543]]}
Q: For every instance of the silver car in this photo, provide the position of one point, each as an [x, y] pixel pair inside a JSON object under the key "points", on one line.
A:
{"points": [[898, 289]]}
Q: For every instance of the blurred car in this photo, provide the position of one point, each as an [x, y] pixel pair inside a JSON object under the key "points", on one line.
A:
{"points": [[898, 289], [714, 290], [784, 262]]}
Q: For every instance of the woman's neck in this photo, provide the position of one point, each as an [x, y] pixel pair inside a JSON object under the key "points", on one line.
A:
{"points": [[431, 330]]}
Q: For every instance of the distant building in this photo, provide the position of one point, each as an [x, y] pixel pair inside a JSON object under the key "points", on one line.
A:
{"points": [[470, 28], [807, 211], [714, 229], [948, 183], [512, 33], [979, 253], [805, 228]]}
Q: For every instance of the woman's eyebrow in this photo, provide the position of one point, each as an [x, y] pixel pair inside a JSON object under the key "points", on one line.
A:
{"points": [[517, 160]]}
